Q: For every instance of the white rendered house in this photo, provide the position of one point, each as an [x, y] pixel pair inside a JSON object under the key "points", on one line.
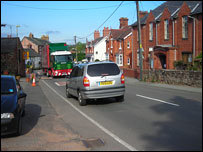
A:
{"points": [[100, 50]]}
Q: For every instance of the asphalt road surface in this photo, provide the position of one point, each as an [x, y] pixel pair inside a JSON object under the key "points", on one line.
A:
{"points": [[152, 117]]}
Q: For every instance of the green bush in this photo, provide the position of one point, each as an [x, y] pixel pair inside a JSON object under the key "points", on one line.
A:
{"points": [[179, 65]]}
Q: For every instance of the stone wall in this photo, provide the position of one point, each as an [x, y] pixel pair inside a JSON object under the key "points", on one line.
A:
{"points": [[176, 77]]}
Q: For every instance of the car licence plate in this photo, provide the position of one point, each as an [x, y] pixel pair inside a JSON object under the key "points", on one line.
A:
{"points": [[105, 83]]}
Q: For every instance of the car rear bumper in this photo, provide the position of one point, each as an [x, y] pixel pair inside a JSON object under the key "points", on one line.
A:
{"points": [[103, 93]]}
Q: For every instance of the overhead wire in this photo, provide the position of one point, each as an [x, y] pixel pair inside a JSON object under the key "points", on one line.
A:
{"points": [[105, 20], [73, 9], [76, 10]]}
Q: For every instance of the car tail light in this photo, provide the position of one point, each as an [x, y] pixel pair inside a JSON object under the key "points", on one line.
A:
{"points": [[122, 79], [86, 82]]}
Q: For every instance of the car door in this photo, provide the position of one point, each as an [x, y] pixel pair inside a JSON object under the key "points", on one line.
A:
{"points": [[73, 81]]}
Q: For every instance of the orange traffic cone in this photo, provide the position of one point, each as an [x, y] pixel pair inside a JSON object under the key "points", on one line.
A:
{"points": [[28, 79], [33, 82]]}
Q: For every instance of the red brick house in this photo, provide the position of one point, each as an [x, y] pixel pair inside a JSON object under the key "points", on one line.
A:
{"points": [[171, 32], [119, 44], [35, 43]]}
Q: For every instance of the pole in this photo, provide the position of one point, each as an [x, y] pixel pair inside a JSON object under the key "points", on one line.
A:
{"points": [[17, 26], [139, 37], [76, 49]]}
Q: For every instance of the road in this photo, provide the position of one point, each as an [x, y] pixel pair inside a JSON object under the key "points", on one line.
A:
{"points": [[150, 118]]}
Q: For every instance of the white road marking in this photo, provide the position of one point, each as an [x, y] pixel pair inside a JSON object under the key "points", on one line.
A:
{"points": [[95, 122], [157, 100], [57, 84]]}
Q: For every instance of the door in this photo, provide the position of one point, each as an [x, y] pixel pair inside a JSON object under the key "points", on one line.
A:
{"points": [[73, 81]]}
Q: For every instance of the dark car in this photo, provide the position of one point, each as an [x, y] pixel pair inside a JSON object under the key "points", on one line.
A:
{"points": [[96, 80], [12, 105]]}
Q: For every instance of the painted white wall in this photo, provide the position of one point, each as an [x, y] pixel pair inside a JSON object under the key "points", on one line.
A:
{"points": [[100, 50]]}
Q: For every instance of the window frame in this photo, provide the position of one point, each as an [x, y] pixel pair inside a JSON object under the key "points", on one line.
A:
{"points": [[150, 31], [185, 27], [166, 29]]}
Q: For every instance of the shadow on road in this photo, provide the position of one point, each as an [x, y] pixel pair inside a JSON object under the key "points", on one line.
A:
{"points": [[32, 114], [182, 131], [31, 117]]}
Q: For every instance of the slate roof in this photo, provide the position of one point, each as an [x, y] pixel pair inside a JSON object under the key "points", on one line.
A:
{"points": [[9, 44], [197, 10], [97, 40], [120, 33], [173, 7], [32, 52], [37, 41]]}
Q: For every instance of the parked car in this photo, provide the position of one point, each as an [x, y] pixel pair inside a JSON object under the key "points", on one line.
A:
{"points": [[96, 80], [12, 105]]}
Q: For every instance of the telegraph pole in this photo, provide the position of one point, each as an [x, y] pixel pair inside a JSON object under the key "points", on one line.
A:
{"points": [[139, 37], [76, 49]]}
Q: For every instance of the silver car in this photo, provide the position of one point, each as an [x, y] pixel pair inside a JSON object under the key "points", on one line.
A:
{"points": [[94, 81]]}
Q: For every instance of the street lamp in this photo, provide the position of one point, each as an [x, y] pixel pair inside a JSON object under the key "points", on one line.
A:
{"points": [[17, 29]]}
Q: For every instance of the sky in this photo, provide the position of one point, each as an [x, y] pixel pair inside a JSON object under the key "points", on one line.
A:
{"points": [[62, 20]]}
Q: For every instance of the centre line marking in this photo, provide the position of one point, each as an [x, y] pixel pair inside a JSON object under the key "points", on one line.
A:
{"points": [[157, 100], [95, 122]]}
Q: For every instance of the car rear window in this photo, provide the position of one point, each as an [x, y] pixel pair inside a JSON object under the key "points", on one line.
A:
{"points": [[106, 69]]}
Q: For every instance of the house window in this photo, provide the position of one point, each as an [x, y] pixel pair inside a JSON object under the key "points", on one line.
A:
{"points": [[166, 30], [119, 59], [138, 60], [185, 27], [120, 45], [128, 61], [128, 45], [107, 56], [151, 31], [187, 57], [111, 43]]}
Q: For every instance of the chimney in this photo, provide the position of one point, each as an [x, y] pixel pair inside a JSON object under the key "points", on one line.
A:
{"points": [[43, 37], [106, 31], [96, 34], [31, 35], [123, 22], [143, 13]]}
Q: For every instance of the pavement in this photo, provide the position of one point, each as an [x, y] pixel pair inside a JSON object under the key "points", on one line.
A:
{"points": [[43, 129], [129, 80]]}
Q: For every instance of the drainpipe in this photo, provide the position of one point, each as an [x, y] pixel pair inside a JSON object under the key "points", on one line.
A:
{"points": [[156, 35], [193, 38], [132, 49], [173, 34]]}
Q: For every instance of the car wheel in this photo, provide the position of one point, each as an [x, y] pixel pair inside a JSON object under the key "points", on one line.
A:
{"points": [[82, 101], [19, 126], [120, 98], [68, 95]]}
